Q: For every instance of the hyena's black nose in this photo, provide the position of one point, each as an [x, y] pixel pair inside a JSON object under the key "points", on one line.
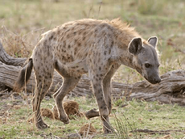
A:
{"points": [[157, 80]]}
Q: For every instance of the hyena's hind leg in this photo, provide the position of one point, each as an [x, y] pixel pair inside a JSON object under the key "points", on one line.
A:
{"points": [[40, 91], [69, 83], [43, 76], [107, 86]]}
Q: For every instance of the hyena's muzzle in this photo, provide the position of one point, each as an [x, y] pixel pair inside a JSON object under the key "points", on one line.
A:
{"points": [[152, 76]]}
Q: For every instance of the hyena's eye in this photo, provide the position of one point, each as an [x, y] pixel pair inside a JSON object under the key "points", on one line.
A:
{"points": [[147, 65]]}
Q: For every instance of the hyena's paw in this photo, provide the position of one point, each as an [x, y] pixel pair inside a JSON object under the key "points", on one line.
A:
{"points": [[65, 120], [108, 130], [41, 125]]}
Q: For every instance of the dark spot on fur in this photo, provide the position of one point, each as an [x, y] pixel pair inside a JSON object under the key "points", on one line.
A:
{"points": [[112, 43], [110, 103], [68, 35], [105, 52], [100, 98], [103, 25], [105, 108], [84, 34], [109, 51], [76, 50], [67, 30], [99, 59], [83, 38], [64, 44], [54, 38], [51, 37], [99, 40], [58, 31], [75, 41], [69, 46], [99, 68], [79, 44]]}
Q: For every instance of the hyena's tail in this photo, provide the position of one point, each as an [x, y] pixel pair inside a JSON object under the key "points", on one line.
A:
{"points": [[24, 76]]}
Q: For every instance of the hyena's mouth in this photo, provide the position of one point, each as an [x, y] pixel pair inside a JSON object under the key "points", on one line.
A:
{"points": [[154, 80]]}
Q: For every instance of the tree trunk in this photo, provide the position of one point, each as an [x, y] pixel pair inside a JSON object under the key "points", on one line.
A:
{"points": [[170, 90]]}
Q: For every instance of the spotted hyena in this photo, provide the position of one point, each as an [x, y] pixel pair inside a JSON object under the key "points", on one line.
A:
{"points": [[96, 47]]}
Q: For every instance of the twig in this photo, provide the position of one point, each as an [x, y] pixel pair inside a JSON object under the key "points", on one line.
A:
{"points": [[156, 131], [177, 49], [100, 8]]}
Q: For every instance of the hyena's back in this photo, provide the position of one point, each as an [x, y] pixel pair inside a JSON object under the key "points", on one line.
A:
{"points": [[74, 43]]}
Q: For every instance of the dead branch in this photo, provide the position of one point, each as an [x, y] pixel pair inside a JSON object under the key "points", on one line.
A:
{"points": [[170, 90]]}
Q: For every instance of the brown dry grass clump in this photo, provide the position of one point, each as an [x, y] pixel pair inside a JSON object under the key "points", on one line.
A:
{"points": [[47, 113], [87, 129], [31, 119], [71, 108]]}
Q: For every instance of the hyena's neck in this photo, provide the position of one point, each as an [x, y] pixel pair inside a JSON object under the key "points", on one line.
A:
{"points": [[127, 59], [124, 38], [123, 56]]}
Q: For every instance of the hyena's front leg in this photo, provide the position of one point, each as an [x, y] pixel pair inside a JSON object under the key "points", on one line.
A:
{"points": [[103, 109], [68, 85], [107, 85]]}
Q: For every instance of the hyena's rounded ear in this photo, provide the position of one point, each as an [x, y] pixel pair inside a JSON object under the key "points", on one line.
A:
{"points": [[135, 45], [153, 41]]}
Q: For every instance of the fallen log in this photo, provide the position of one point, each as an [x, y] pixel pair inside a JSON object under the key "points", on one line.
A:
{"points": [[170, 90]]}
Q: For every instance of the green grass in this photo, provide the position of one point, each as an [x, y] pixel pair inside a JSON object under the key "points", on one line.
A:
{"points": [[136, 115]]}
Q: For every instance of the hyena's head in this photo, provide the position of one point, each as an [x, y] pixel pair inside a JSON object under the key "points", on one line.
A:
{"points": [[145, 58]]}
